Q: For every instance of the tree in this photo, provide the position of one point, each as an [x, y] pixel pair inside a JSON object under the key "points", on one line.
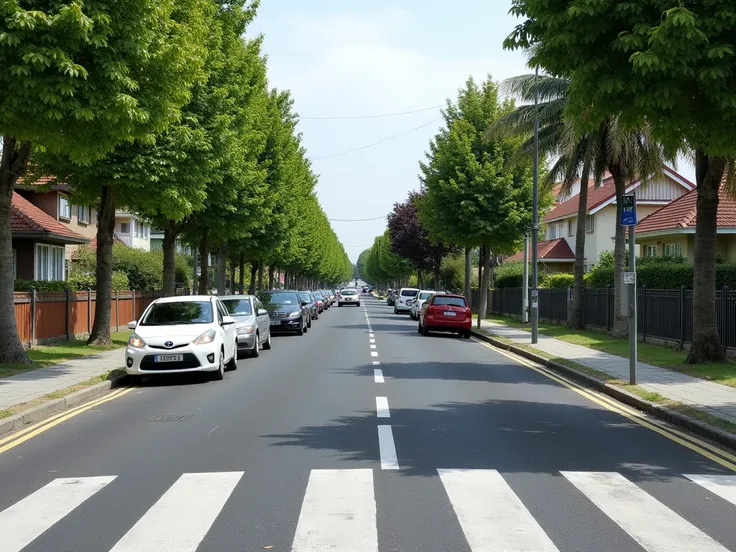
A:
{"points": [[663, 61], [474, 196], [410, 240], [79, 79]]}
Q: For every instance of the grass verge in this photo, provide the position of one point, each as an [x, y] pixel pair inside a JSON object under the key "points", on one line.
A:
{"points": [[656, 355], [18, 408], [48, 355]]}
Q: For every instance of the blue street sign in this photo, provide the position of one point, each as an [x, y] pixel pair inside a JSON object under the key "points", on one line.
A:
{"points": [[628, 210]]}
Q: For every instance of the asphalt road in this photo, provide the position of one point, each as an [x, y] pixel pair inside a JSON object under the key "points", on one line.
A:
{"points": [[324, 443]]}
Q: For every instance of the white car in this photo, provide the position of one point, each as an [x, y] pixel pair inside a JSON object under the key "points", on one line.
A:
{"points": [[404, 299], [348, 297], [183, 334], [416, 305]]}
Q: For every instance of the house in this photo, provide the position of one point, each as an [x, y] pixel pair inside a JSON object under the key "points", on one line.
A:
{"points": [[39, 242], [600, 221], [553, 256], [132, 230], [157, 243], [670, 231]]}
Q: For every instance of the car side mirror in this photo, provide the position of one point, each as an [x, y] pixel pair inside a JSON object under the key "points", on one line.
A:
{"points": [[132, 324], [228, 321], [262, 312]]}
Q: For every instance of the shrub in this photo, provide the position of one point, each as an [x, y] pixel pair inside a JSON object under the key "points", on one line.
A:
{"points": [[81, 282], [663, 275], [559, 280], [642, 261], [26, 285], [511, 275]]}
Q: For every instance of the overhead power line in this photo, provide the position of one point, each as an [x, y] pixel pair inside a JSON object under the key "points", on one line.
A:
{"points": [[358, 220], [380, 116], [376, 143]]}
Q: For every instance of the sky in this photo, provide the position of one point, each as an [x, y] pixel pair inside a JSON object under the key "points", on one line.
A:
{"points": [[355, 59]]}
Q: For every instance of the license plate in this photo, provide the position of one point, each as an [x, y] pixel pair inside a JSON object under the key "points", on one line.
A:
{"points": [[168, 358], [450, 313]]}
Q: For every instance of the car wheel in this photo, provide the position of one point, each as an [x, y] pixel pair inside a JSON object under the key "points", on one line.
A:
{"points": [[256, 351], [357, 305], [316, 316], [425, 331], [300, 331], [232, 364], [267, 344], [309, 322], [419, 327], [220, 373], [467, 334], [396, 311], [339, 304]]}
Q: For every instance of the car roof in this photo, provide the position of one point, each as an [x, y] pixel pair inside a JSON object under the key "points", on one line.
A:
{"points": [[428, 291], [409, 289], [233, 297], [185, 298], [452, 295]]}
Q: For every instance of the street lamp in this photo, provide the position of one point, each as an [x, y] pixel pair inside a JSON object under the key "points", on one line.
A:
{"points": [[535, 215]]}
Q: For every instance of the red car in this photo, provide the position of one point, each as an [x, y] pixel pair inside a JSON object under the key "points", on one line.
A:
{"points": [[444, 312]]}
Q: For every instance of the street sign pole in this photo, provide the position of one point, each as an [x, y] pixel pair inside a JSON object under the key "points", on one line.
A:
{"points": [[628, 218], [525, 284], [535, 215]]}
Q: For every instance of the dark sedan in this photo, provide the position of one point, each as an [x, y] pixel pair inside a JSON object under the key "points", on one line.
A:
{"points": [[286, 310], [312, 303]]}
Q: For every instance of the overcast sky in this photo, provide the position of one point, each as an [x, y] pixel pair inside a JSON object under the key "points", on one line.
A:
{"points": [[350, 59]]}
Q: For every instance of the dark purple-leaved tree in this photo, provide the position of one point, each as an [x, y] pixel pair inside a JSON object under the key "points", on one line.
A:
{"points": [[410, 240]]}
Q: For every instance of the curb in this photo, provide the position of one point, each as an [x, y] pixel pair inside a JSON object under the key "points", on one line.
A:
{"points": [[52, 407], [662, 412]]}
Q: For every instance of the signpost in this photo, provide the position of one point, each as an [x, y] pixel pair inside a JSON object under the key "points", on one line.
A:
{"points": [[628, 218]]}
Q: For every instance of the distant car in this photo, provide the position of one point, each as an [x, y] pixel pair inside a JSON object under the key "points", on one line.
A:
{"points": [[321, 300], [325, 296], [446, 313], [391, 298], [182, 334], [252, 323], [416, 305], [314, 304], [404, 299], [365, 289], [349, 297], [286, 311]]}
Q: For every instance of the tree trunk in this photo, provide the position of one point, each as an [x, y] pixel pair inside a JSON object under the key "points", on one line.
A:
{"points": [[706, 343], [468, 272], [260, 276], [13, 165], [241, 274], [578, 285], [204, 265], [100, 334], [195, 265], [270, 277], [620, 321], [252, 284], [222, 268], [480, 266], [485, 283], [169, 247], [232, 275]]}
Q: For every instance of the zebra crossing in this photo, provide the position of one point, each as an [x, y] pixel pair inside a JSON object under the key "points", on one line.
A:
{"points": [[339, 511]]}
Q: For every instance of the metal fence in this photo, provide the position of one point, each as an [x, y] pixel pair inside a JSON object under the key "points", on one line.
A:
{"points": [[662, 313]]}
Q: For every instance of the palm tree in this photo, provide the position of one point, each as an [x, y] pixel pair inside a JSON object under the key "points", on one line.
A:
{"points": [[624, 153]]}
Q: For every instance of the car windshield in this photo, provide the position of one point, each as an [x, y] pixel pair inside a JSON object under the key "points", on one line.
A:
{"points": [[409, 292], [305, 296], [238, 307], [180, 312], [279, 298], [450, 301], [425, 294], [349, 292], [317, 294]]}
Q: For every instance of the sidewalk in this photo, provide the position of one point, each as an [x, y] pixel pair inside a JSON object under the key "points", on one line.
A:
{"points": [[713, 398], [34, 384]]}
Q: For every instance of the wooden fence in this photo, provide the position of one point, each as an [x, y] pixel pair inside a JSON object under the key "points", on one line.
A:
{"points": [[57, 316]]}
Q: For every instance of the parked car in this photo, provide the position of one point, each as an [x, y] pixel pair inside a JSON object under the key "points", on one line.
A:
{"points": [[446, 313], [315, 305], [365, 289], [286, 311], [416, 305], [391, 297], [349, 297], [182, 334], [322, 298], [329, 295], [252, 323], [404, 299]]}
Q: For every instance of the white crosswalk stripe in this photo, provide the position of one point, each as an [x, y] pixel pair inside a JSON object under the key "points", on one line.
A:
{"points": [[26, 520], [181, 518], [338, 513], [649, 522], [492, 517], [339, 510]]}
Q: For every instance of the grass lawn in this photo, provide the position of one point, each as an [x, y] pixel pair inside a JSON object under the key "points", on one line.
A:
{"points": [[48, 355], [666, 357]]}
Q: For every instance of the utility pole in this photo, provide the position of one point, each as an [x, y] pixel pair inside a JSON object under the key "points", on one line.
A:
{"points": [[535, 215], [628, 218], [525, 285]]}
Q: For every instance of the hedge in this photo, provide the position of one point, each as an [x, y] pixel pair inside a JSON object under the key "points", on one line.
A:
{"points": [[561, 280], [664, 275], [74, 283], [511, 275]]}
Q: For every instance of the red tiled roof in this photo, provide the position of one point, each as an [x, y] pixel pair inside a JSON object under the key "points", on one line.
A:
{"points": [[681, 213], [26, 218], [93, 243], [42, 181], [549, 249]]}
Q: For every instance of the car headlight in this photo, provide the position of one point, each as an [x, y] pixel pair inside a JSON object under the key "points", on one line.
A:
{"points": [[136, 342], [245, 330], [206, 337], [295, 313]]}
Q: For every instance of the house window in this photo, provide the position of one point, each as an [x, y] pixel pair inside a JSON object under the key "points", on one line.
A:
{"points": [[589, 224], [571, 227], [83, 214], [65, 208], [49, 266], [650, 251], [137, 230], [673, 249], [552, 231], [125, 228]]}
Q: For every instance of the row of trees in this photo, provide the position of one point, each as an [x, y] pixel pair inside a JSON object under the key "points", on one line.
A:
{"points": [[637, 83], [164, 108]]}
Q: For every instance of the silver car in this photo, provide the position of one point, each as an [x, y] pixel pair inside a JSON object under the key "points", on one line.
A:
{"points": [[252, 323]]}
